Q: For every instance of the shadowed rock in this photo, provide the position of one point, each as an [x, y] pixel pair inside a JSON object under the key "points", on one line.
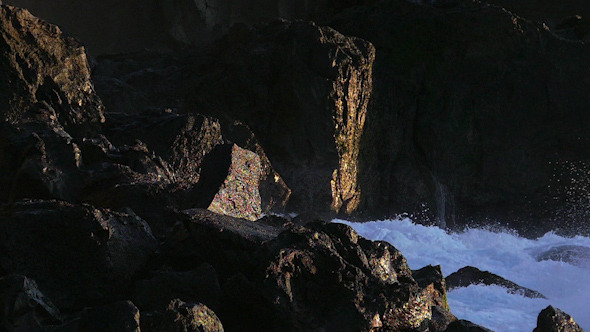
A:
{"points": [[469, 275], [77, 254], [182, 316], [554, 320], [465, 326], [198, 285], [23, 306], [119, 316]]}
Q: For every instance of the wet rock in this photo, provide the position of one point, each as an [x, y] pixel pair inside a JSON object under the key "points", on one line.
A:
{"points": [[77, 254], [182, 316], [576, 255], [552, 320], [119, 316], [199, 285], [469, 275], [24, 308], [430, 279], [325, 276], [462, 325], [41, 64]]}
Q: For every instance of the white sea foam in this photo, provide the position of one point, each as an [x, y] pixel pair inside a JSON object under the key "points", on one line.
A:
{"points": [[565, 285]]}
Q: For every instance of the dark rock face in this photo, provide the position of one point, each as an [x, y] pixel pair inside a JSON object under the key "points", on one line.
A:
{"points": [[181, 316], [200, 284], [24, 308], [40, 64], [472, 276], [553, 320], [456, 126], [118, 316], [465, 326], [576, 255], [304, 92], [167, 24], [77, 254]]}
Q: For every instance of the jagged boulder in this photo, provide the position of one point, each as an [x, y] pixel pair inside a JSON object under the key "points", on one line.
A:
{"points": [[470, 275], [24, 308], [553, 320], [41, 64], [182, 316], [77, 254], [232, 175]]}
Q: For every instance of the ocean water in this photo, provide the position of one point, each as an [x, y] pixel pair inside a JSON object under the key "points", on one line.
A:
{"points": [[566, 285]]}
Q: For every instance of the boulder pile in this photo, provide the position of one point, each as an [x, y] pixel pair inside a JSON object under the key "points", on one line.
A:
{"points": [[140, 190]]}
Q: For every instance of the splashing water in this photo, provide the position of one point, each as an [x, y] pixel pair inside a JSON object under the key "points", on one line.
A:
{"points": [[566, 285]]}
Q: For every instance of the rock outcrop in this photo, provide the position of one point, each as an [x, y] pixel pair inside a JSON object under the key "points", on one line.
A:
{"points": [[552, 320], [303, 90], [470, 275], [40, 65], [457, 131]]}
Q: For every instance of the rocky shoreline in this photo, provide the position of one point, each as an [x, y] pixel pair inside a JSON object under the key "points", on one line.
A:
{"points": [[141, 188]]}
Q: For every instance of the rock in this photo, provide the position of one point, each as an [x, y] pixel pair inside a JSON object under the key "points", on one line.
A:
{"points": [[576, 255], [314, 80], [325, 276], [182, 316], [462, 325], [167, 24], [180, 140], [24, 308], [40, 64], [469, 275], [199, 285], [455, 134], [77, 254], [304, 92], [38, 159], [227, 243], [237, 193], [552, 320], [119, 316], [430, 279], [274, 192]]}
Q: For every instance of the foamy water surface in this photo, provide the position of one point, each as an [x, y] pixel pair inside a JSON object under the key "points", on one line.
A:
{"points": [[566, 286]]}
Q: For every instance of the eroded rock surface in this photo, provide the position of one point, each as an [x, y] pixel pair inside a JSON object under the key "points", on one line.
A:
{"points": [[41, 64], [552, 320]]}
